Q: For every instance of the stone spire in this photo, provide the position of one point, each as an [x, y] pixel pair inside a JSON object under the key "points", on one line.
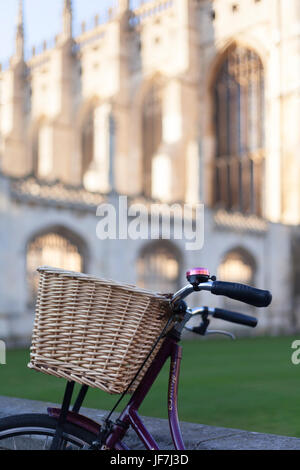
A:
{"points": [[67, 19], [20, 33], [123, 5]]}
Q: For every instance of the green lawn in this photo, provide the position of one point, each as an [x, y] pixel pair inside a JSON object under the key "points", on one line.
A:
{"points": [[248, 384]]}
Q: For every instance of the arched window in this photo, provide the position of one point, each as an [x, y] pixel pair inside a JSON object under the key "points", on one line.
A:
{"points": [[112, 151], [98, 148], [87, 143], [51, 249], [237, 266], [158, 267], [239, 124], [42, 151], [151, 132]]}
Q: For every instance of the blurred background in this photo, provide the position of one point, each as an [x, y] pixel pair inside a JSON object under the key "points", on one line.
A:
{"points": [[186, 101]]}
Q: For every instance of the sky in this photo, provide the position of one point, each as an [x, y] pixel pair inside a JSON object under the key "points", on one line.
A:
{"points": [[42, 20]]}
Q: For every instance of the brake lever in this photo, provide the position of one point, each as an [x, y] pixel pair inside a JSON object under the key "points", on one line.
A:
{"points": [[220, 332], [204, 332]]}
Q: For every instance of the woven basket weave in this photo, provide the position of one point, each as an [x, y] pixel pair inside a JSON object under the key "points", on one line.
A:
{"points": [[92, 331]]}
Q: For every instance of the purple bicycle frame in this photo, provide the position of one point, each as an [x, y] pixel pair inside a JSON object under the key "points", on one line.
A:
{"points": [[130, 417]]}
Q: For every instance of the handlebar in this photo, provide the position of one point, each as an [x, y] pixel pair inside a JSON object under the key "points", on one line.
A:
{"points": [[200, 279], [243, 293], [223, 314], [234, 317]]}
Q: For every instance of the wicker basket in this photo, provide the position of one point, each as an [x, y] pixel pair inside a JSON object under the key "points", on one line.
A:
{"points": [[93, 331]]}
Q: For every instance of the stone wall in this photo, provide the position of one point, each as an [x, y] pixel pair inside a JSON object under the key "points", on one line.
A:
{"points": [[195, 436]]}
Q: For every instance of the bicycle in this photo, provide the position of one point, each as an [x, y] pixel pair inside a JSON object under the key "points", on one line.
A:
{"points": [[65, 429]]}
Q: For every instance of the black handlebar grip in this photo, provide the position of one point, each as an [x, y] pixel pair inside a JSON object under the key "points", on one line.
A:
{"points": [[247, 294], [235, 317]]}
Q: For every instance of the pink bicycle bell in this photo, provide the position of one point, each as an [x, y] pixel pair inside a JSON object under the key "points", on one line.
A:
{"points": [[197, 275]]}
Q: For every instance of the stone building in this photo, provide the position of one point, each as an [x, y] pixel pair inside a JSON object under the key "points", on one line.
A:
{"points": [[168, 101]]}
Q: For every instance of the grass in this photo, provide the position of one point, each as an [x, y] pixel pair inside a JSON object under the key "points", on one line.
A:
{"points": [[249, 384]]}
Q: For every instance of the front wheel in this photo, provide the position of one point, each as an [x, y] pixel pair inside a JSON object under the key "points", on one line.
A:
{"points": [[36, 432]]}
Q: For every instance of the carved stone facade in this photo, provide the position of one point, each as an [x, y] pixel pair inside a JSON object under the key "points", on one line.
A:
{"points": [[139, 105]]}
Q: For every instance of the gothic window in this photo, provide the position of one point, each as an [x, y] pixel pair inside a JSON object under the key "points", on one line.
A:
{"points": [[98, 148], [87, 142], [237, 266], [158, 267], [50, 249], [112, 151], [151, 132], [239, 125], [42, 152]]}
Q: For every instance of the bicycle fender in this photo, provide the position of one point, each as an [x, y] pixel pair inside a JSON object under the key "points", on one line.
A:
{"points": [[77, 419]]}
